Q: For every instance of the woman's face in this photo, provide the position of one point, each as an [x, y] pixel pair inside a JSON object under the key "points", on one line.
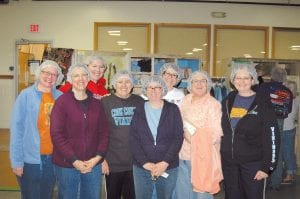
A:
{"points": [[199, 86], [97, 70], [79, 79], [170, 77], [48, 77], [154, 92], [123, 87], [243, 81]]}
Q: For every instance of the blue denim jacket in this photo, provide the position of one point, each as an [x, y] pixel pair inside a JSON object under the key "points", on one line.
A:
{"points": [[25, 138]]}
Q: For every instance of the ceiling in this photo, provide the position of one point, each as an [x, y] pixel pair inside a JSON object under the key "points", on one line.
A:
{"points": [[255, 2]]}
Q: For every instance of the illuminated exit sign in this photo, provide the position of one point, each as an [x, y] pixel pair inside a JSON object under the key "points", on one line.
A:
{"points": [[34, 28]]}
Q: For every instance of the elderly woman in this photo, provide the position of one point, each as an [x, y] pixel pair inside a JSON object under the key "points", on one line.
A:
{"points": [[30, 142], [96, 85], [172, 74], [155, 140], [79, 132], [119, 108], [249, 147], [200, 170]]}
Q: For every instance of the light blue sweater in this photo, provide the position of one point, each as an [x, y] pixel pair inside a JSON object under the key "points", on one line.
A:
{"points": [[24, 137]]}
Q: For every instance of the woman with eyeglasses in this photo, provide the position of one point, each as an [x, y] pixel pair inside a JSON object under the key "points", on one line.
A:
{"points": [[249, 147], [199, 172], [172, 75], [155, 140], [79, 132], [96, 85], [30, 142]]}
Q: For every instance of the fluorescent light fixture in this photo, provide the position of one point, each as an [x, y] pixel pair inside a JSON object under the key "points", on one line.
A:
{"points": [[114, 32], [263, 52], [189, 53], [294, 47], [127, 49], [122, 43], [247, 56], [205, 44], [197, 49]]}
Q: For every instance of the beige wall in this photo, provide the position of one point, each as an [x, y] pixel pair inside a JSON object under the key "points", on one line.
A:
{"points": [[70, 24]]}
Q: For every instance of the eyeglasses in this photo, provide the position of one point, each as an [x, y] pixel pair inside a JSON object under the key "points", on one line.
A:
{"points": [[100, 66], [242, 78], [199, 81], [170, 75], [156, 88], [49, 74], [77, 76]]}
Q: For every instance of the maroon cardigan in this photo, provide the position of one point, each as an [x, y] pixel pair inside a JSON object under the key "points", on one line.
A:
{"points": [[77, 134]]}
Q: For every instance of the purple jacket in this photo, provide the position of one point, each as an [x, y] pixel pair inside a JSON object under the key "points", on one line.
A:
{"points": [[77, 134]]}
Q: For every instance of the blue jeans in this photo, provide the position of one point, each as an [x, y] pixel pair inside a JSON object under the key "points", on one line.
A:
{"points": [[289, 156], [276, 175], [184, 188], [144, 185], [73, 184], [38, 180]]}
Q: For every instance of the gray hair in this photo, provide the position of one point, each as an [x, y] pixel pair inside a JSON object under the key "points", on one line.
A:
{"points": [[174, 67], [46, 64], [278, 74], [147, 80], [243, 65], [75, 66], [203, 74], [121, 74], [93, 58], [292, 85]]}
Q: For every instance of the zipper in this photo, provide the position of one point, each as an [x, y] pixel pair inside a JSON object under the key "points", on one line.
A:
{"points": [[232, 131]]}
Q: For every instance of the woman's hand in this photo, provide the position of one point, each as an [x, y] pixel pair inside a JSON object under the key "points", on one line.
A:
{"points": [[159, 168], [89, 164], [105, 168], [18, 171], [80, 166], [260, 175], [148, 166]]}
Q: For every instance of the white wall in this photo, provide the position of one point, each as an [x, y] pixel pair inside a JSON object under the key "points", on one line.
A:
{"points": [[71, 24]]}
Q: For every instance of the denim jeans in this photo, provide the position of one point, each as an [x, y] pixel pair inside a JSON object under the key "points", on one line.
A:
{"points": [[144, 185], [288, 146], [276, 175], [75, 185], [184, 188], [38, 180]]}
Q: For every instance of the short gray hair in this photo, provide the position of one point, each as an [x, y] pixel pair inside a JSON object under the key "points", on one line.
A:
{"points": [[121, 74], [278, 74], [174, 67], [243, 65], [74, 66], [46, 64], [93, 58], [147, 80], [203, 74]]}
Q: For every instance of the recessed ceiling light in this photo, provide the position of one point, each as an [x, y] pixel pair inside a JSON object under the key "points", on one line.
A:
{"points": [[197, 49], [114, 32], [263, 52], [127, 49], [247, 55], [189, 53], [294, 47], [122, 43]]}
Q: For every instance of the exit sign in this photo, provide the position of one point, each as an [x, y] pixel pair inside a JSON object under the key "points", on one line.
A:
{"points": [[34, 28]]}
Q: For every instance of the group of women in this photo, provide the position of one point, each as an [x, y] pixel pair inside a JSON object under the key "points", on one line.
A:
{"points": [[168, 146]]}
